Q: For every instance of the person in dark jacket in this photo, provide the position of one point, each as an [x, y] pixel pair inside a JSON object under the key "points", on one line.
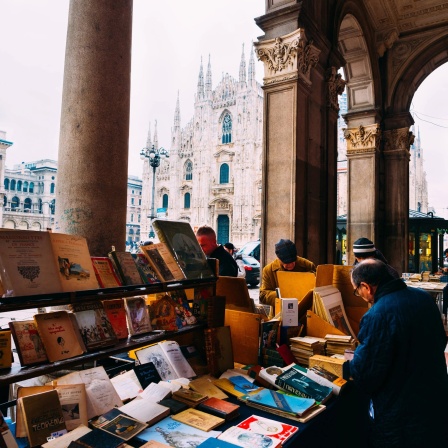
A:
{"points": [[206, 237], [400, 362]]}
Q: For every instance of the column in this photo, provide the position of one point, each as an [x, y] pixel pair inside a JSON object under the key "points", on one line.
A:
{"points": [[91, 191], [292, 146], [363, 144], [396, 205]]}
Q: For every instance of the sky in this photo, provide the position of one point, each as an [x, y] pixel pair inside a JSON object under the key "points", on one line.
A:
{"points": [[169, 39]]}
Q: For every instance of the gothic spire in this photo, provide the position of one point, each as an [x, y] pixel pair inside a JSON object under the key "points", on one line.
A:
{"points": [[208, 79], [243, 67], [201, 82], [177, 113], [156, 140], [251, 66], [149, 140]]}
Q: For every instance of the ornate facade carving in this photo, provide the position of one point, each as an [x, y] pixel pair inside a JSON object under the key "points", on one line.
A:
{"points": [[335, 87], [398, 140], [363, 139], [288, 57]]}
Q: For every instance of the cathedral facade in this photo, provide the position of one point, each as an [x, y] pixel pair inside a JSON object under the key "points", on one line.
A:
{"points": [[213, 173]]}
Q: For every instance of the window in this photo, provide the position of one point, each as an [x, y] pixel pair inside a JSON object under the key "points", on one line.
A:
{"points": [[25, 187], [15, 203], [227, 130], [27, 204], [132, 201], [140, 202], [139, 218], [52, 206], [188, 170], [31, 187], [165, 201], [52, 188], [187, 199], [6, 184], [224, 174], [19, 185], [132, 217], [13, 185]]}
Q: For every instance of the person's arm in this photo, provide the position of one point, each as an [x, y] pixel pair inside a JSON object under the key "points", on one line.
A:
{"points": [[267, 288]]}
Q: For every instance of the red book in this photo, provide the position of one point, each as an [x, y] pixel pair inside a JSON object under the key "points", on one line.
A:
{"points": [[116, 314], [268, 427], [105, 273], [220, 408]]}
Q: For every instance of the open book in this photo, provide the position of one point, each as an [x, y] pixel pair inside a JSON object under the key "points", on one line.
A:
{"points": [[168, 359]]}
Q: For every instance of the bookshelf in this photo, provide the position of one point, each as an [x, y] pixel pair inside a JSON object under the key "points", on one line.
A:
{"points": [[18, 373]]}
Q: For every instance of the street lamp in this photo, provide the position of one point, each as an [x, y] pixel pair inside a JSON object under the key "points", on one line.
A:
{"points": [[154, 156]]}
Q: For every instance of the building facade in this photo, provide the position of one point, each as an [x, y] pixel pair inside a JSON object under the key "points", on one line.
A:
{"points": [[213, 173]]}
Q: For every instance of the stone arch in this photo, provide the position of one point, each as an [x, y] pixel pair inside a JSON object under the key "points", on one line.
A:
{"points": [[9, 224]]}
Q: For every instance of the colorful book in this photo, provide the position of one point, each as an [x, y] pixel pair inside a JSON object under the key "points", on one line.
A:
{"points": [[116, 313], [198, 419], [175, 433], [59, 335], [145, 268], [43, 416], [7, 439], [168, 360], [182, 243], [268, 427], [163, 262], [204, 385], [125, 267], [220, 408], [29, 345], [105, 273], [137, 314], [218, 350], [94, 325], [5, 349], [212, 442], [248, 439], [294, 381], [242, 384], [118, 424], [44, 262]]}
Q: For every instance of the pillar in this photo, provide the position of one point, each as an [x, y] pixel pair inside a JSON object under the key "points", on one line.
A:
{"points": [[363, 157], [91, 190], [396, 200]]}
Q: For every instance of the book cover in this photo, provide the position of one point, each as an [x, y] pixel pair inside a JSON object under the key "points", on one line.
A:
{"points": [[118, 424], [145, 410], [248, 439], [163, 262], [189, 396], [97, 438], [5, 349], [198, 419], [145, 268], [218, 349], [43, 416], [294, 381], [212, 442], [170, 314], [7, 440], [137, 314], [283, 402], [29, 346], [127, 385], [154, 444], [220, 408], [326, 378], [290, 312], [182, 242], [105, 273], [175, 433], [227, 386], [268, 427], [125, 267], [168, 359], [116, 314], [174, 405], [242, 384], [333, 365], [204, 385], [100, 392], [58, 335], [147, 374], [64, 440], [209, 310]]}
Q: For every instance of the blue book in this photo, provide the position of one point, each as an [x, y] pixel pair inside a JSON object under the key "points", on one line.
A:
{"points": [[174, 433], [281, 402], [242, 384], [212, 442]]}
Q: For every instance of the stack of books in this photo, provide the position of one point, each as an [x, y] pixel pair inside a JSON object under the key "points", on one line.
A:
{"points": [[303, 347], [337, 344]]}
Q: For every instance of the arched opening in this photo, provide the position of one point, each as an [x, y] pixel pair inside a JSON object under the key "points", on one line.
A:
{"points": [[223, 231], [224, 174]]}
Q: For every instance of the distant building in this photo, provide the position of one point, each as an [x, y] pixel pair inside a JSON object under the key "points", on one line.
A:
{"points": [[28, 193], [213, 173]]}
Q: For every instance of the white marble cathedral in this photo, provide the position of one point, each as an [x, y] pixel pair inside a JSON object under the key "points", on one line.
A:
{"points": [[213, 173]]}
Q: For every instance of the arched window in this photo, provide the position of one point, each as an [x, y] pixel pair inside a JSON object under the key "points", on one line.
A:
{"points": [[15, 203], [224, 174], [165, 201], [19, 185], [188, 170], [52, 206], [52, 187], [25, 187], [5, 201], [6, 184], [27, 204], [227, 129], [13, 185], [31, 187], [187, 199]]}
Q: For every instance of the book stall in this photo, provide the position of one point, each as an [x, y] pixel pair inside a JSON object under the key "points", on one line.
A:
{"points": [[156, 350]]}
